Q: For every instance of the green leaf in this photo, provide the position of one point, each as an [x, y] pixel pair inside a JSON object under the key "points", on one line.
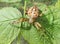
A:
{"points": [[31, 36], [57, 28], [58, 4], [9, 1], [56, 23], [56, 31], [8, 32], [46, 11]]}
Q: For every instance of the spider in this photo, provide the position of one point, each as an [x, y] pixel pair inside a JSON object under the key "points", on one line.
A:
{"points": [[33, 13]]}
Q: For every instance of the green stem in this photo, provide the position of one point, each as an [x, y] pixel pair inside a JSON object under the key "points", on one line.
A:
{"points": [[24, 8]]}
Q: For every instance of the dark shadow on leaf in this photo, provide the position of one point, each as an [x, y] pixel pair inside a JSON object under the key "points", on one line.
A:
{"points": [[26, 27], [46, 27], [43, 21]]}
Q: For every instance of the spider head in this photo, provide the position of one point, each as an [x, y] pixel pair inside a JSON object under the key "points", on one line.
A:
{"points": [[33, 12]]}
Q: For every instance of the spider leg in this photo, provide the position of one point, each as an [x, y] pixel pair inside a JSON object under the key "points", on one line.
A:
{"points": [[40, 14], [19, 20], [23, 19], [37, 25]]}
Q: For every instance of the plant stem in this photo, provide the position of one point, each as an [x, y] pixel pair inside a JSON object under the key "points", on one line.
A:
{"points": [[24, 8]]}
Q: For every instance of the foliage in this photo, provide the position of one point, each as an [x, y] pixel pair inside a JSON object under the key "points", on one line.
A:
{"points": [[10, 29]]}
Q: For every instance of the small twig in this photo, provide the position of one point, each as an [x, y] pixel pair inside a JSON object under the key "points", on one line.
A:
{"points": [[24, 8]]}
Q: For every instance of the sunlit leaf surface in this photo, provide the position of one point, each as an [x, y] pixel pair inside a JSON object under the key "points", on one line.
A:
{"points": [[8, 32]]}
